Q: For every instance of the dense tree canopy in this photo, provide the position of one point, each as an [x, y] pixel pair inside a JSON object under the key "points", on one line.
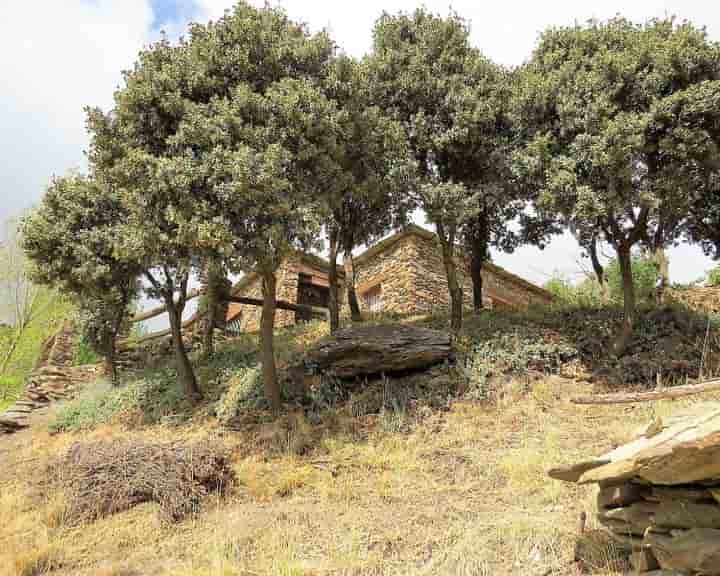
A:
{"points": [[372, 193], [239, 143], [219, 145], [70, 238], [452, 103], [593, 101]]}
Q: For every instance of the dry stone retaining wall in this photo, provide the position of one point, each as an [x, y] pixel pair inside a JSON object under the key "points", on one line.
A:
{"points": [[659, 494], [54, 378]]}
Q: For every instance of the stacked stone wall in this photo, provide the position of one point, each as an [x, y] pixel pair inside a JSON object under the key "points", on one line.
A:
{"points": [[412, 276], [395, 270], [287, 289]]}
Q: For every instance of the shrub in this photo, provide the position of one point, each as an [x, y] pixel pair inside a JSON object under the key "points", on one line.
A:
{"points": [[153, 396], [244, 391], [85, 354], [713, 278], [587, 293], [512, 354], [101, 478], [645, 276]]}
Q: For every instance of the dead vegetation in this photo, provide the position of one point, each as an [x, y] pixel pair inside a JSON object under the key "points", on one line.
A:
{"points": [[406, 476], [105, 477], [671, 344]]}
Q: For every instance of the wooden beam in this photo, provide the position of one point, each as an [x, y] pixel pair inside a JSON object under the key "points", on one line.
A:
{"points": [[147, 315], [665, 393], [280, 304], [161, 334]]}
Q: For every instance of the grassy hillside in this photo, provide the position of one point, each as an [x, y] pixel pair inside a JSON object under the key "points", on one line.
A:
{"points": [[52, 311], [441, 472]]}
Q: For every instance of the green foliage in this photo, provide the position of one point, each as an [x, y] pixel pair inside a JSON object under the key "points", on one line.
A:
{"points": [[645, 276], [70, 239], [85, 354], [52, 311], [151, 397], [603, 111], [453, 106], [512, 354], [669, 340], [156, 396], [713, 278], [586, 293], [244, 392], [373, 194]]}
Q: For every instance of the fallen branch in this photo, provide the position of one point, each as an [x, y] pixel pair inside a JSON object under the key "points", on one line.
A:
{"points": [[665, 393]]}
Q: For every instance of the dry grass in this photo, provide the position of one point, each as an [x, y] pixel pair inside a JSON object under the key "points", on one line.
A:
{"points": [[465, 493]]}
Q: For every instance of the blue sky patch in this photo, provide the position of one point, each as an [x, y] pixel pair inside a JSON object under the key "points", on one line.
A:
{"points": [[167, 11]]}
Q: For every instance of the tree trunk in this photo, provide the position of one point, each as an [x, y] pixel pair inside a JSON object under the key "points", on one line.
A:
{"points": [[625, 261], [185, 373], [267, 327], [652, 395], [477, 258], [350, 281], [663, 268], [598, 268], [479, 253], [110, 365], [456, 295], [333, 300], [214, 280]]}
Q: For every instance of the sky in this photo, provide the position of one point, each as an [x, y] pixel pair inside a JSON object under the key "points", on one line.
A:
{"points": [[58, 56]]}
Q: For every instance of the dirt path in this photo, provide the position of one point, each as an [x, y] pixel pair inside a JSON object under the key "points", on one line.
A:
{"points": [[14, 446]]}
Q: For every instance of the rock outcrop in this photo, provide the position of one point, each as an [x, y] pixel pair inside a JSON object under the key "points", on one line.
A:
{"points": [[660, 494], [380, 349]]}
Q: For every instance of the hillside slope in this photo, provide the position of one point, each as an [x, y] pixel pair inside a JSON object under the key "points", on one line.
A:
{"points": [[441, 472]]}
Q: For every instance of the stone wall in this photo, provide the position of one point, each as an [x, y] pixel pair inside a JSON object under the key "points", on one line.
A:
{"points": [[409, 269], [288, 276], [287, 286], [411, 274], [395, 270]]}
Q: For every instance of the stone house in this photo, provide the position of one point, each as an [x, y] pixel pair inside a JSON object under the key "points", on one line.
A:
{"points": [[402, 274]]}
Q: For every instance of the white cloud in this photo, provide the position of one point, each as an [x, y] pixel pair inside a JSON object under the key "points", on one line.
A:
{"points": [[56, 58]]}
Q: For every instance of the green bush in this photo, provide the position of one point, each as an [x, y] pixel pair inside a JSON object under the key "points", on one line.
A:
{"points": [[153, 397], [645, 276], [244, 391], [585, 294], [512, 353], [85, 354], [713, 278]]}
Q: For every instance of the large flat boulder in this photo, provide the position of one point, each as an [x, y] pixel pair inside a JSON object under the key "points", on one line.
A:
{"points": [[380, 349]]}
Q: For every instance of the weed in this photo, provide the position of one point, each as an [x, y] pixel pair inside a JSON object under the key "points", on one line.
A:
{"points": [[85, 354], [152, 397]]}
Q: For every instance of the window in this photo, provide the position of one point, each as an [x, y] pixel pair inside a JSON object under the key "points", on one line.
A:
{"points": [[373, 298]]}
